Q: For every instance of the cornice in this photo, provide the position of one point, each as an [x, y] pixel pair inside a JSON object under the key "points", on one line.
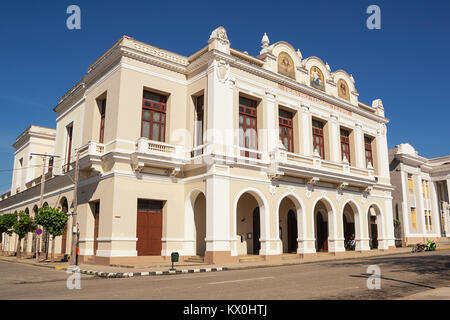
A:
{"points": [[203, 57], [277, 78], [408, 159], [25, 137]]}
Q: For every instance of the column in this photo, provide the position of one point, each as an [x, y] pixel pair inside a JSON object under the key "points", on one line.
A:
{"points": [[218, 217], [360, 160], [405, 208], [420, 208], [435, 212], [446, 210], [305, 131], [271, 113], [382, 153], [389, 222], [335, 152], [220, 107]]}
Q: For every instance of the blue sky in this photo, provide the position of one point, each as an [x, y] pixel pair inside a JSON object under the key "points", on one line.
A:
{"points": [[406, 63]]}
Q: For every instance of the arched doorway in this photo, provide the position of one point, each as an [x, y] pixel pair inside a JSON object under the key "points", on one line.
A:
{"points": [[45, 242], [195, 224], [33, 246], [348, 224], [200, 224], [256, 231], [288, 227], [321, 231], [373, 228], [323, 217], [64, 209], [27, 236], [248, 225], [376, 227]]}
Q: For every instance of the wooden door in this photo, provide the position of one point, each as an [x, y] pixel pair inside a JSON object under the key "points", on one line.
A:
{"points": [[322, 233], [256, 231], [149, 233], [292, 232], [374, 230], [96, 224]]}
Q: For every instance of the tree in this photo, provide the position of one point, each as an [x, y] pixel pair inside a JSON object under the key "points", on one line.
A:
{"points": [[54, 221], [22, 225], [6, 224]]}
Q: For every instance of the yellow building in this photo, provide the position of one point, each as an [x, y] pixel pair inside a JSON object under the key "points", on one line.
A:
{"points": [[219, 154]]}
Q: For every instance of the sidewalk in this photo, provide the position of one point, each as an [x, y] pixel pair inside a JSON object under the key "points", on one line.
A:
{"points": [[123, 271]]}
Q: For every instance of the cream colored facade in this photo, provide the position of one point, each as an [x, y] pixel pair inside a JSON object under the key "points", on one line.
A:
{"points": [[210, 187], [421, 199]]}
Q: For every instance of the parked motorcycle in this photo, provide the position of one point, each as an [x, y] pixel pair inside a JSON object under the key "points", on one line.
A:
{"points": [[431, 246], [419, 247]]}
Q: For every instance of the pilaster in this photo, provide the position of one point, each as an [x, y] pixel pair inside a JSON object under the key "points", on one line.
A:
{"points": [[218, 218], [335, 151], [360, 160], [306, 131]]}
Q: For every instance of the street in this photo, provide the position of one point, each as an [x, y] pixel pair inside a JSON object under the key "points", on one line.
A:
{"points": [[401, 276]]}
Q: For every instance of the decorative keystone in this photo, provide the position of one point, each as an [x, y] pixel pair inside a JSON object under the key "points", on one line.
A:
{"points": [[313, 181], [342, 185]]}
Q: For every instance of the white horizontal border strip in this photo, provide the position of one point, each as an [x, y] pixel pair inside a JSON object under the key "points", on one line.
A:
{"points": [[116, 253]]}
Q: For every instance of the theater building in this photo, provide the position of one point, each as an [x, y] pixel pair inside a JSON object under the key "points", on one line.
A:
{"points": [[421, 198], [220, 154]]}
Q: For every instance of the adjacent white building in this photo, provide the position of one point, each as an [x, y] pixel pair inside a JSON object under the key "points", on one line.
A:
{"points": [[421, 198]]}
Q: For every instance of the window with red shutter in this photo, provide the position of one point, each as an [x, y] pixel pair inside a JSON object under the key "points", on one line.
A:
{"points": [[102, 120], [153, 116], [345, 144], [248, 136], [368, 150], [318, 140], [286, 129]]}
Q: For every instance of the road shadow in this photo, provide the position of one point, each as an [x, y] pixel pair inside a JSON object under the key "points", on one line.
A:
{"points": [[420, 264]]}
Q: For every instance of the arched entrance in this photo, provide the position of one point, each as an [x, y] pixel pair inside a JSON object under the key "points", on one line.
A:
{"points": [[195, 225], [348, 224], [256, 231], [27, 236], [200, 224], [33, 246], [373, 219], [323, 217], [64, 209], [288, 228], [248, 225], [321, 231]]}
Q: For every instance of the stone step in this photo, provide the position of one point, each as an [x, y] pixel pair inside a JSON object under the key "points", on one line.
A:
{"points": [[290, 256], [443, 242], [195, 259], [251, 259]]}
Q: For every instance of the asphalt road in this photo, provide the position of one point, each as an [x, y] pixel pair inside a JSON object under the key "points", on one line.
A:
{"points": [[401, 275]]}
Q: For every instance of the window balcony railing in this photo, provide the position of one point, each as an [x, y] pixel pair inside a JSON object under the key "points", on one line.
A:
{"points": [[145, 146], [198, 151], [92, 149], [329, 166], [249, 153]]}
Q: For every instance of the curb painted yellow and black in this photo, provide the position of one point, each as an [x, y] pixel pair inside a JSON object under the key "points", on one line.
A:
{"points": [[149, 273]]}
